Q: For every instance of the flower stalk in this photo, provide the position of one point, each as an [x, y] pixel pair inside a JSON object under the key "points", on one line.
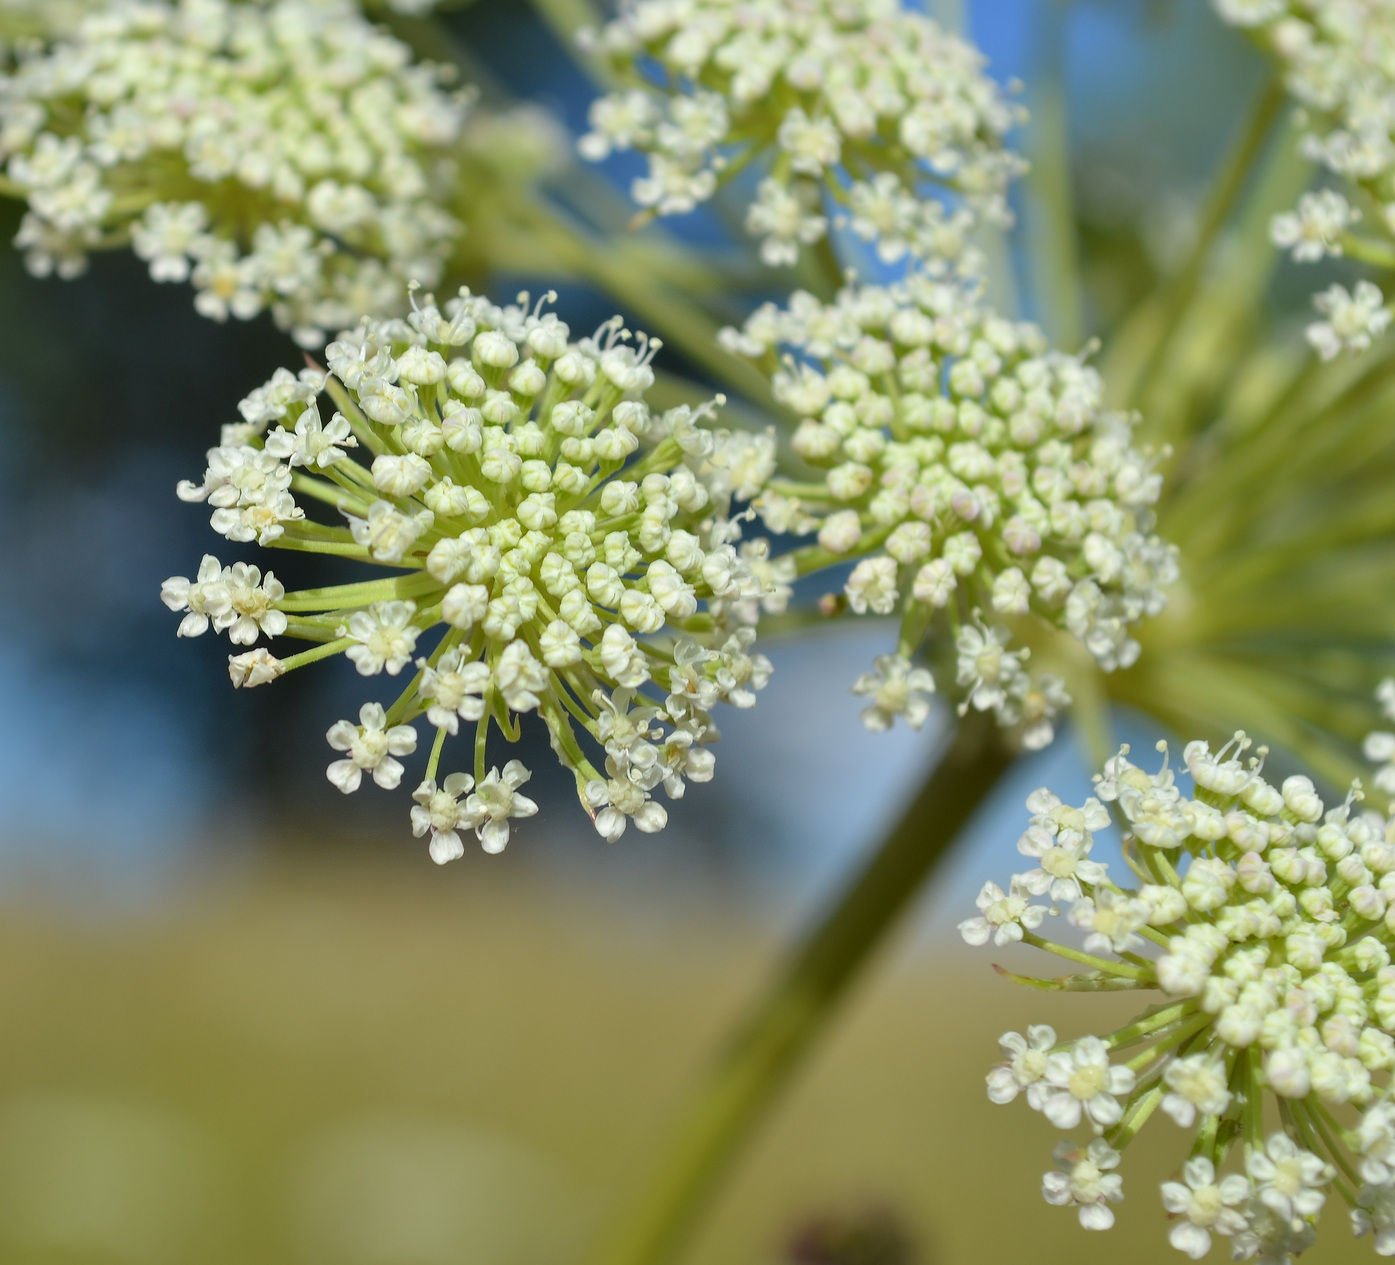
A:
{"points": [[745, 1080]]}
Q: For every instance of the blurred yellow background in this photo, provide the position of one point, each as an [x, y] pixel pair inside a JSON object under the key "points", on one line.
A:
{"points": [[353, 1058]]}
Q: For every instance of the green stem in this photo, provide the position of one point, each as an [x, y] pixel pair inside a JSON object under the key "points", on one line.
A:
{"points": [[1141, 1028], [1055, 254], [1368, 250], [1085, 959], [758, 1062], [1136, 1116], [326, 651], [1176, 295]]}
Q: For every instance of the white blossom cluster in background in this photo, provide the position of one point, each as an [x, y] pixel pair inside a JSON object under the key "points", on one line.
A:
{"points": [[1336, 63], [554, 546], [284, 155], [26, 23], [860, 110], [1380, 746], [1266, 921], [972, 476]]}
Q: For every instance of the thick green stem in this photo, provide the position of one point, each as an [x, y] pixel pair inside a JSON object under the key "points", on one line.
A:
{"points": [[758, 1062]]}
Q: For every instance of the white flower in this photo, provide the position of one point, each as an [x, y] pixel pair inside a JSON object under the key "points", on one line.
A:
{"points": [[1353, 319], [1379, 746], [1082, 1081], [627, 732], [312, 444], [872, 585], [1271, 1239], [1025, 1067], [935, 583], [387, 532], [453, 687], [812, 144], [205, 598], [1040, 705], [1250, 12], [622, 658], [519, 677], [1064, 863], [1005, 915], [1375, 1140], [165, 238], [494, 802], [883, 211], [1206, 1204], [371, 747], [251, 597], [1198, 1083], [440, 812], [1375, 1211], [255, 667], [991, 673], [1289, 1180], [385, 635], [1085, 1180], [1111, 920], [1315, 229], [620, 799], [896, 689], [780, 218]]}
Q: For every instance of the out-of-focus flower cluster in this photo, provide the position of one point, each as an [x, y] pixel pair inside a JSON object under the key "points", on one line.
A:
{"points": [[858, 109], [26, 23], [566, 549], [1267, 922], [1335, 59], [284, 155], [972, 476], [1380, 746]]}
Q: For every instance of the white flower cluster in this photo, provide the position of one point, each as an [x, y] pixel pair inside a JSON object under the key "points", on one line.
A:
{"points": [[1267, 923], [1336, 63], [1352, 320], [23, 23], [1380, 746], [859, 109], [283, 155], [965, 469], [567, 548]]}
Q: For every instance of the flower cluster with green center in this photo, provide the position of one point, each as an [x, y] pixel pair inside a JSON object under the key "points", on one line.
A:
{"points": [[858, 108], [284, 155], [555, 548], [972, 477], [1336, 63], [1266, 921]]}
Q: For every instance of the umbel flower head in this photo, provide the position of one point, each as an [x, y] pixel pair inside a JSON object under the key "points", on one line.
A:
{"points": [[1266, 921], [1336, 64], [554, 547], [283, 154], [859, 108], [972, 477]]}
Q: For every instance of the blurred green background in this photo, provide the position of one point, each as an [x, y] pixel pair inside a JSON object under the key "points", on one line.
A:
{"points": [[248, 1021]]}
